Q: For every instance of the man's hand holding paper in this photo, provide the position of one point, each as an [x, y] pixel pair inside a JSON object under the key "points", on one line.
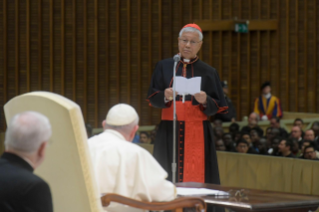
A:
{"points": [[191, 86]]}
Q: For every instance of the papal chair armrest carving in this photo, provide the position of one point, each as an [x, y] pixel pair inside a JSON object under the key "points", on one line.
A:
{"points": [[179, 203]]}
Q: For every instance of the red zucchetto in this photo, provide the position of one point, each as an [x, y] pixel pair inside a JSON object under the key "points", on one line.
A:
{"points": [[194, 26]]}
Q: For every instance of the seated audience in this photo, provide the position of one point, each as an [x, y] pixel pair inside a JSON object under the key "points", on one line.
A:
{"points": [[231, 115], [233, 129], [144, 137], [274, 146], [285, 148], [299, 122], [310, 153], [296, 133], [306, 143], [263, 146], [242, 146], [253, 124], [269, 137], [254, 137], [275, 123], [295, 148], [267, 105], [229, 143], [218, 132], [153, 134], [26, 140], [217, 123], [315, 128], [220, 145], [89, 130], [246, 137], [122, 167], [309, 135]]}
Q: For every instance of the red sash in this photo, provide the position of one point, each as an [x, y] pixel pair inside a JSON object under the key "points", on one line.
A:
{"points": [[194, 143]]}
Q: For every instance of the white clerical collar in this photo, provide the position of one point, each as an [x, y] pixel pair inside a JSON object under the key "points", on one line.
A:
{"points": [[186, 60], [115, 133], [267, 96]]}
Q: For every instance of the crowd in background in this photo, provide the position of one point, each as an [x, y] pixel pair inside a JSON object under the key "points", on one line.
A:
{"points": [[275, 141]]}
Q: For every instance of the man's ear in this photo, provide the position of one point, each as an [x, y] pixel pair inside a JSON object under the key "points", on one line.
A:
{"points": [[42, 149], [103, 124], [134, 132]]}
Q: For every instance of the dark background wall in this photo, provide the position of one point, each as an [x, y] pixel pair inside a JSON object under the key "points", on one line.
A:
{"points": [[99, 52]]}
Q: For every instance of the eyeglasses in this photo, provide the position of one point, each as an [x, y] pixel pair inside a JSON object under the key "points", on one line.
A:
{"points": [[192, 43]]}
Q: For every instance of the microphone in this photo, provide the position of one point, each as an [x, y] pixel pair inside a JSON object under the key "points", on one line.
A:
{"points": [[176, 58]]}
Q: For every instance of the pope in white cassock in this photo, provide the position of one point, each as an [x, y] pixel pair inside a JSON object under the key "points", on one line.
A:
{"points": [[124, 168]]}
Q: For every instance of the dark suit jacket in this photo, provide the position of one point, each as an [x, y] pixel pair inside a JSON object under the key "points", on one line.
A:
{"points": [[20, 189]]}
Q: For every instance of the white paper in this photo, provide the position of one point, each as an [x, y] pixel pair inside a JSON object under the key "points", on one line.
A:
{"points": [[186, 86], [200, 192]]}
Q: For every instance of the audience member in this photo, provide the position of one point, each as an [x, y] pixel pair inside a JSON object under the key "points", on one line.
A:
{"points": [[220, 146], [26, 140], [246, 137], [218, 123], [285, 147], [297, 134], [89, 130], [218, 132], [254, 137], [274, 146], [275, 123], [242, 146], [253, 124], [229, 143], [315, 128], [153, 133], [310, 153], [306, 143], [144, 137], [233, 129], [269, 137], [231, 115], [267, 105], [295, 148], [122, 167], [309, 135], [263, 146], [299, 122]]}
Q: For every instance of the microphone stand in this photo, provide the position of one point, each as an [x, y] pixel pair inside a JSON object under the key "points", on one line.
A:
{"points": [[176, 59]]}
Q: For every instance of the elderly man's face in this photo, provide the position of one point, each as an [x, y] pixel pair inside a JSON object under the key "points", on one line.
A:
{"points": [[309, 135], [252, 119], [296, 132], [189, 44]]}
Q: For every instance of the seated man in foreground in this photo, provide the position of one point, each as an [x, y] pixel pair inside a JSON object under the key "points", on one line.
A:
{"points": [[124, 168], [26, 139]]}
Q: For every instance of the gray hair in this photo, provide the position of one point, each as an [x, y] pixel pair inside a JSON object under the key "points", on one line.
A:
{"points": [[125, 129], [191, 29], [27, 131], [257, 116]]}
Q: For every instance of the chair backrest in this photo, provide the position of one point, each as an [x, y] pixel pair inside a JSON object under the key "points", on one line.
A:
{"points": [[67, 166]]}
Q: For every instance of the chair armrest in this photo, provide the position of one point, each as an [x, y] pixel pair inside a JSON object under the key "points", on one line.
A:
{"points": [[181, 202]]}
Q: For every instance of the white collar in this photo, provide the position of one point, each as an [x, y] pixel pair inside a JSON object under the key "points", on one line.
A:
{"points": [[267, 96], [115, 133]]}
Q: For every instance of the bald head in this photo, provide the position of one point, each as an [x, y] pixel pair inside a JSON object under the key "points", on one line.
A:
{"points": [[27, 131]]}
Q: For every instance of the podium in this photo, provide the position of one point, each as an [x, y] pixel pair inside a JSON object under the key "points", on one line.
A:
{"points": [[243, 200]]}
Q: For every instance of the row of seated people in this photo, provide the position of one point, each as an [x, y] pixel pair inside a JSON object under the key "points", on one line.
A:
{"points": [[276, 141]]}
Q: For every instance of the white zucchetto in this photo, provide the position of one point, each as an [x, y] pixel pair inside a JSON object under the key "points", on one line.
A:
{"points": [[120, 115]]}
